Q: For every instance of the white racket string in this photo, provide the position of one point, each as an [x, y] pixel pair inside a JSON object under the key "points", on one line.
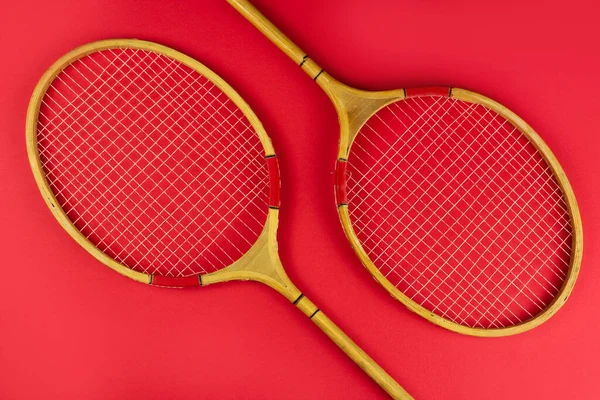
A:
{"points": [[152, 162], [459, 211]]}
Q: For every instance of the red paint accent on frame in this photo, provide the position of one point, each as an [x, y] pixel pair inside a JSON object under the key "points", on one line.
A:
{"points": [[341, 196], [274, 181], [169, 281], [428, 91]]}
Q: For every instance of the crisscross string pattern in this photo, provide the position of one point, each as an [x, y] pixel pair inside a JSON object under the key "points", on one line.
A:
{"points": [[152, 162], [459, 211]]}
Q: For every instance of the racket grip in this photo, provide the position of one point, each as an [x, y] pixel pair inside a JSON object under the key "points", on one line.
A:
{"points": [[366, 363], [278, 38]]}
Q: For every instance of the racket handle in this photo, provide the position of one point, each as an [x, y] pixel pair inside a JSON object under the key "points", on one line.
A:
{"points": [[352, 350], [280, 40]]}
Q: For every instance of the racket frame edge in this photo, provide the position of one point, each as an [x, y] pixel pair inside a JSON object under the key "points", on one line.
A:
{"points": [[262, 266], [350, 126]]}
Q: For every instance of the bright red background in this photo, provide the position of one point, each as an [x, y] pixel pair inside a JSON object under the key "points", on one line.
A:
{"points": [[70, 328]]}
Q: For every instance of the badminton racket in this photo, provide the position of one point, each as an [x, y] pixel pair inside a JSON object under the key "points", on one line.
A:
{"points": [[162, 172], [451, 201]]}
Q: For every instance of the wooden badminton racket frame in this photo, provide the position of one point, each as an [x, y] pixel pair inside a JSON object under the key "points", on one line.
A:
{"points": [[260, 264], [354, 107]]}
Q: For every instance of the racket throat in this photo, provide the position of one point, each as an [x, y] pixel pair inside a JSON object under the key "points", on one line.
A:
{"points": [[354, 108], [260, 264]]}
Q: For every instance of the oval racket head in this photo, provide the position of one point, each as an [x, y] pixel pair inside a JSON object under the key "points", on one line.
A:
{"points": [[452, 202], [150, 161], [459, 209]]}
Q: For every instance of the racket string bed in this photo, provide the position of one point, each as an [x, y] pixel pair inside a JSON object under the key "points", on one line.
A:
{"points": [[152, 162], [459, 211]]}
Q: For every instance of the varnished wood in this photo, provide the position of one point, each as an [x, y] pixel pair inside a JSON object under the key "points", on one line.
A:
{"points": [[260, 264], [355, 107]]}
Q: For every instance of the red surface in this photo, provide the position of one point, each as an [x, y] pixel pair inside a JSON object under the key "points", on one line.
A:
{"points": [[70, 328]]}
